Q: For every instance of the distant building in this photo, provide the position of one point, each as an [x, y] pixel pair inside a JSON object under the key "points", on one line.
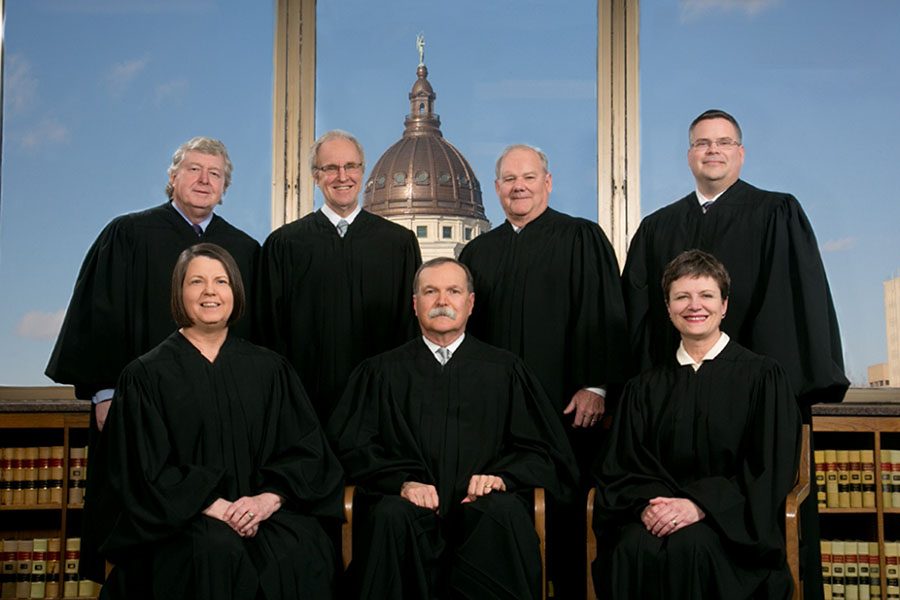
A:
{"points": [[425, 184], [888, 373]]}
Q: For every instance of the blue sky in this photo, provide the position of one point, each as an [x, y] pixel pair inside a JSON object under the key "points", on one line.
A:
{"points": [[98, 93]]}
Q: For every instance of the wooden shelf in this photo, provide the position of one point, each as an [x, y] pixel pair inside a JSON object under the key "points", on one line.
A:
{"points": [[850, 511], [22, 507]]}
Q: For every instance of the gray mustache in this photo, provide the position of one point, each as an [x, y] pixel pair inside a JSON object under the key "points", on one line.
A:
{"points": [[442, 311]]}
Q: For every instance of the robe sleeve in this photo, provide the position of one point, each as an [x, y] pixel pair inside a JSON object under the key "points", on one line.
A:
{"points": [[159, 496], [372, 438], [271, 315], [794, 320], [94, 343], [299, 465], [746, 509], [636, 292], [598, 324], [536, 452]]}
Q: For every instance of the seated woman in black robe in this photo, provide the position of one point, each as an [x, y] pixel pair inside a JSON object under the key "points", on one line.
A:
{"points": [[701, 456], [216, 460]]}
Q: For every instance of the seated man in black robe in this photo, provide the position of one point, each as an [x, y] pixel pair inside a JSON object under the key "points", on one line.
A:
{"points": [[448, 436], [217, 465], [702, 453]]}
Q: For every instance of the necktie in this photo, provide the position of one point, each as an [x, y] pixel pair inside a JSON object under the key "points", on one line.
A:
{"points": [[705, 206], [443, 355], [342, 226], [197, 229]]}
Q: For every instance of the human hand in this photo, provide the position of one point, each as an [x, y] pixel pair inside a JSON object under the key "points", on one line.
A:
{"points": [[588, 408], [665, 516], [217, 509], [482, 485], [246, 513], [420, 494], [101, 409]]}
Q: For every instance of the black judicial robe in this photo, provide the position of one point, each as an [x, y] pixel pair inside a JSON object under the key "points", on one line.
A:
{"points": [[327, 302], [551, 295], [780, 303], [183, 432], [725, 437], [403, 417], [120, 306]]}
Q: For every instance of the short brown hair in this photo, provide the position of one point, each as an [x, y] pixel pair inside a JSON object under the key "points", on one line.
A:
{"points": [[715, 113], [443, 260], [215, 252], [694, 264]]}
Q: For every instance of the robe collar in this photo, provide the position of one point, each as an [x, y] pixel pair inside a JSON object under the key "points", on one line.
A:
{"points": [[685, 359], [333, 217], [452, 347]]}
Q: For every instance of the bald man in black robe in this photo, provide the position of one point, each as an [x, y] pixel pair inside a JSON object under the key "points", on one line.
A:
{"points": [[780, 303], [448, 436], [334, 286]]}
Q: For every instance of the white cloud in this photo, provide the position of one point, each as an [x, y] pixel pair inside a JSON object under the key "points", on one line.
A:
{"points": [[538, 89], [36, 325], [123, 73], [21, 86], [170, 90], [695, 9], [839, 245], [48, 132]]}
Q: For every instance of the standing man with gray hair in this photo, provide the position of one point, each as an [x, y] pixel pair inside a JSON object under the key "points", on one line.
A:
{"points": [[334, 286], [548, 291], [120, 305]]}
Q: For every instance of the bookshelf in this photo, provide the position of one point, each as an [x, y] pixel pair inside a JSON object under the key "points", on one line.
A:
{"points": [[41, 428], [865, 421]]}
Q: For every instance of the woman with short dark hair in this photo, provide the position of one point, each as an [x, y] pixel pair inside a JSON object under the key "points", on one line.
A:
{"points": [[702, 453], [217, 460]]}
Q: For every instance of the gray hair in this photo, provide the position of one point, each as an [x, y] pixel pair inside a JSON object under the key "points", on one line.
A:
{"points": [[334, 134], [203, 145], [443, 260], [540, 154]]}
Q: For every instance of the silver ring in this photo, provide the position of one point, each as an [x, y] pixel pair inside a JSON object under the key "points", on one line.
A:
{"points": [[674, 522]]}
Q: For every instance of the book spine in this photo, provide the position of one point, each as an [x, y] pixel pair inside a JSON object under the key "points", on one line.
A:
{"points": [[825, 547], [39, 569], [837, 570], [56, 474], [43, 475], [9, 569], [843, 466], [819, 457], [886, 486], [23, 568], [868, 478], [831, 479], [855, 479], [891, 572], [53, 558], [29, 476], [874, 572], [851, 571], [73, 557], [6, 476], [18, 462], [864, 574], [76, 476]]}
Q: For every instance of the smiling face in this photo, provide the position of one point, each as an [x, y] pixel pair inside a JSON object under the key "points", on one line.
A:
{"points": [[443, 302], [340, 187], [198, 184], [715, 167], [696, 308], [206, 293], [523, 186]]}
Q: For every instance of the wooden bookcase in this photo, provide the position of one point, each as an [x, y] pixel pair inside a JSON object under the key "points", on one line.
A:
{"points": [[860, 423], [44, 416]]}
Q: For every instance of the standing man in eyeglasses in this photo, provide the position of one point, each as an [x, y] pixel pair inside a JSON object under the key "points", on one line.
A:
{"points": [[780, 304], [334, 286]]}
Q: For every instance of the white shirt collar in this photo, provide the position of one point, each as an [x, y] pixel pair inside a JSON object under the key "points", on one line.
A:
{"points": [[701, 199], [684, 358], [452, 347], [334, 217], [203, 224]]}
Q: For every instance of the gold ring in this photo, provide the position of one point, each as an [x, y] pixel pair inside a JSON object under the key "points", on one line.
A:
{"points": [[674, 522], [251, 514]]}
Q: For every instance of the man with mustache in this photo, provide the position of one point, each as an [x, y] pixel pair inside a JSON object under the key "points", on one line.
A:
{"points": [[334, 286], [780, 304], [447, 437]]}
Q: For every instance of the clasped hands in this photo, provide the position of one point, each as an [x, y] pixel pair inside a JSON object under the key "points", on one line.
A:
{"points": [[665, 516], [246, 513], [426, 496]]}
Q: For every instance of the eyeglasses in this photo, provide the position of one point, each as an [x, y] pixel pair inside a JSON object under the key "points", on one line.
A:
{"points": [[705, 144], [350, 167]]}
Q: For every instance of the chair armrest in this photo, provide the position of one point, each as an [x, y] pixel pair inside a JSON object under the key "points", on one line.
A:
{"points": [[591, 540], [347, 527], [540, 526], [795, 498]]}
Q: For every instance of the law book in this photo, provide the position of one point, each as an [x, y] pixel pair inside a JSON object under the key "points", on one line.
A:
{"points": [[9, 569], [23, 567], [29, 476], [43, 475], [88, 588], [851, 570], [18, 497], [855, 479], [57, 454], [70, 569], [837, 570], [38, 568], [825, 549], [831, 479], [895, 478], [891, 571], [874, 572], [864, 575], [867, 459], [6, 476], [53, 558], [76, 475], [886, 479], [843, 467], [819, 458]]}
